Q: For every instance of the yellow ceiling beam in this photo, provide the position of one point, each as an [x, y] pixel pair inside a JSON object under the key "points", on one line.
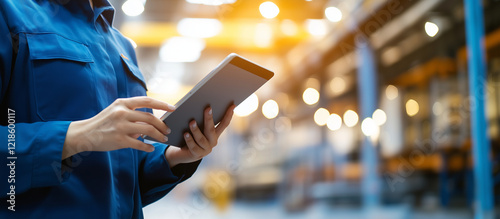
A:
{"points": [[235, 34]]}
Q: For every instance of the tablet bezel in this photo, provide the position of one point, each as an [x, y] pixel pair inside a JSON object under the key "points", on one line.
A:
{"points": [[232, 59]]}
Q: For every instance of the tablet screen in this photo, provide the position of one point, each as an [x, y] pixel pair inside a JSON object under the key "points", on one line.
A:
{"points": [[232, 82]]}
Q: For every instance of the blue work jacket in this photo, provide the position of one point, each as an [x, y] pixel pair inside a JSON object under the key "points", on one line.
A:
{"points": [[62, 61]]}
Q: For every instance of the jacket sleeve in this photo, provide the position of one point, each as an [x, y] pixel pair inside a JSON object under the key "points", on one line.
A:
{"points": [[156, 178], [30, 154], [33, 155]]}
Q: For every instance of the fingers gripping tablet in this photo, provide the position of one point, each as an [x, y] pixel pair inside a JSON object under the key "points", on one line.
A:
{"points": [[231, 82]]}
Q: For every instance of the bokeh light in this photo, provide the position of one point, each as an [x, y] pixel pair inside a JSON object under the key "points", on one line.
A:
{"points": [[379, 117], [337, 85], [369, 127], [321, 116], [412, 107], [133, 7], [199, 27], [270, 109], [333, 14], [316, 27], [334, 122], [269, 10], [351, 118], [310, 96], [391, 92], [431, 29], [181, 49]]}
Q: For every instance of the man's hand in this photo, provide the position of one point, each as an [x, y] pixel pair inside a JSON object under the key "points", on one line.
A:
{"points": [[116, 127], [199, 145]]}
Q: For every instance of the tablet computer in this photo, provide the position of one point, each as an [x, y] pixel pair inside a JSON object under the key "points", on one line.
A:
{"points": [[232, 81]]}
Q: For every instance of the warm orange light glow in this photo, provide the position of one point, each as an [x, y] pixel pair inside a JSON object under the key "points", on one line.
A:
{"points": [[412, 107], [235, 34], [269, 10]]}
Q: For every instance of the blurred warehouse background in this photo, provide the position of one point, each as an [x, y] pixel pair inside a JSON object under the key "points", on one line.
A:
{"points": [[368, 115]]}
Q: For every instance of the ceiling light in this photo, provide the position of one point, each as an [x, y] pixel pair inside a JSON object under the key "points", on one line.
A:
{"points": [[337, 85], [321, 116], [211, 2], [431, 29], [379, 117], [310, 96], [333, 14], [391, 92], [412, 107], [350, 118], [369, 127], [133, 7], [270, 109], [269, 10], [199, 27], [334, 122], [181, 49]]}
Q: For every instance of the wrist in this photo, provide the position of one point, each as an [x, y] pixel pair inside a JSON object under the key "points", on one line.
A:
{"points": [[170, 159], [72, 140]]}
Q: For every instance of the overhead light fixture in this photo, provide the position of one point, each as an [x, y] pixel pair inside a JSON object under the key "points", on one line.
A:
{"points": [[270, 109], [412, 107], [211, 2], [321, 116], [248, 106], [333, 14], [379, 117], [181, 49], [334, 122], [369, 127], [199, 27], [133, 7], [337, 85], [391, 92], [431, 29], [269, 10], [350, 118], [310, 96]]}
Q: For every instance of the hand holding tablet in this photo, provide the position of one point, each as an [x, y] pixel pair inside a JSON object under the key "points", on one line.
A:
{"points": [[231, 82]]}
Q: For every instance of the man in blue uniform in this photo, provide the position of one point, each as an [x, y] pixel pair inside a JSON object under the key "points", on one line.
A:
{"points": [[72, 103]]}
